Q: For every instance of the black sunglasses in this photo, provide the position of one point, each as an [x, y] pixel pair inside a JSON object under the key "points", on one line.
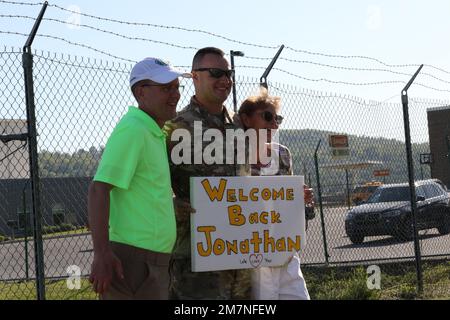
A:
{"points": [[217, 73], [269, 116]]}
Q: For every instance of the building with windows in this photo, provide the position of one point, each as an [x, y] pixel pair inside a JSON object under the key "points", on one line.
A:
{"points": [[439, 135], [14, 159], [63, 201]]}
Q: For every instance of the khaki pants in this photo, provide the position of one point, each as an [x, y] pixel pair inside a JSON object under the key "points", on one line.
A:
{"points": [[146, 274]]}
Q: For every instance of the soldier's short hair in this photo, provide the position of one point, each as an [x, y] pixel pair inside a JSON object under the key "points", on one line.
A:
{"points": [[203, 52]]}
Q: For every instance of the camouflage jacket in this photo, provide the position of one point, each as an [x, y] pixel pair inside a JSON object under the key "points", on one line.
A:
{"points": [[228, 284], [185, 120], [282, 167], [180, 173]]}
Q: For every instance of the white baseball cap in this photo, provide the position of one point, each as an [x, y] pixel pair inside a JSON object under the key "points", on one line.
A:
{"points": [[156, 70]]}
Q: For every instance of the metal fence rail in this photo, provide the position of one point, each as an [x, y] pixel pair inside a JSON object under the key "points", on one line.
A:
{"points": [[78, 102]]}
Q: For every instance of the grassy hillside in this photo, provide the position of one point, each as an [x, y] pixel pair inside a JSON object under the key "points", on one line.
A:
{"points": [[392, 154], [302, 144]]}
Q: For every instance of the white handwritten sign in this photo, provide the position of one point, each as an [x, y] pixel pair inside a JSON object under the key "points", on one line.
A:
{"points": [[246, 222]]}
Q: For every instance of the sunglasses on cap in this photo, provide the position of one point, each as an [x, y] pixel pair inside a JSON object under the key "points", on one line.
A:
{"points": [[269, 116], [217, 73]]}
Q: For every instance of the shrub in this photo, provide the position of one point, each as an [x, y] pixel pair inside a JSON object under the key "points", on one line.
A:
{"points": [[60, 228], [66, 227], [49, 229]]}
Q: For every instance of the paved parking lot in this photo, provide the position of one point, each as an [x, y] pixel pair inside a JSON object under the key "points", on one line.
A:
{"points": [[63, 252], [341, 249]]}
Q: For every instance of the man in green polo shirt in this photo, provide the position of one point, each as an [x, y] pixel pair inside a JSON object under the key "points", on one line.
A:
{"points": [[130, 205]]}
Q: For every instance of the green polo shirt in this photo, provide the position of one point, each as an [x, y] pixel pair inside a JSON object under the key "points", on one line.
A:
{"points": [[135, 162]]}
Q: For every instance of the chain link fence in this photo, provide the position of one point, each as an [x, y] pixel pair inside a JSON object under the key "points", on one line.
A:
{"points": [[79, 101]]}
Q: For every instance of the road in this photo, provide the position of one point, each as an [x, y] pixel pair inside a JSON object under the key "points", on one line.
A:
{"points": [[59, 253], [63, 252], [341, 249]]}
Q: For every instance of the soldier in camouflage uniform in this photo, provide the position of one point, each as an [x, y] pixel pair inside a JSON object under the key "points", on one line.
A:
{"points": [[212, 82]]}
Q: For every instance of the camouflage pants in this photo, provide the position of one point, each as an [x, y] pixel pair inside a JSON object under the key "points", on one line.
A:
{"points": [[215, 285]]}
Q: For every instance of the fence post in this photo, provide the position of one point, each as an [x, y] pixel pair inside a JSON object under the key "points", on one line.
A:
{"points": [[319, 191], [412, 187], [25, 214], [27, 61], [447, 139], [263, 79], [347, 185]]}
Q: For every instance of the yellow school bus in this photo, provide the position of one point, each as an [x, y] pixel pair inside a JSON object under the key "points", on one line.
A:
{"points": [[362, 193]]}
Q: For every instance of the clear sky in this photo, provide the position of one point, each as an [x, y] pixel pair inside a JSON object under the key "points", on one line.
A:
{"points": [[396, 32]]}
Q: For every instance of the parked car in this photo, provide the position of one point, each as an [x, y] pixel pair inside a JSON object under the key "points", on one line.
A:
{"points": [[309, 204], [440, 183], [361, 193], [388, 212]]}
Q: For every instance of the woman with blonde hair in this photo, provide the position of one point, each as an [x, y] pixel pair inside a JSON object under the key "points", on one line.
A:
{"points": [[260, 112]]}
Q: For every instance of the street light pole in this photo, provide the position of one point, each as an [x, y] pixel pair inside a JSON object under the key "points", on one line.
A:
{"points": [[232, 54]]}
